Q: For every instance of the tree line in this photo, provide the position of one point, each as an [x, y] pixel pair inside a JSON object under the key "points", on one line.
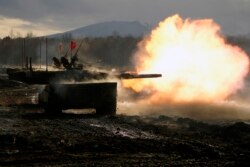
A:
{"points": [[111, 51]]}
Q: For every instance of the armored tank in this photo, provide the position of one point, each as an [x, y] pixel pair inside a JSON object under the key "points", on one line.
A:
{"points": [[83, 93]]}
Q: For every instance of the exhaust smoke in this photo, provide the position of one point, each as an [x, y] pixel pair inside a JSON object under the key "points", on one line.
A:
{"points": [[197, 64]]}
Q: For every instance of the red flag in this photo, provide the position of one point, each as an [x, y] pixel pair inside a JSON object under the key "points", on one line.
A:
{"points": [[73, 45]]}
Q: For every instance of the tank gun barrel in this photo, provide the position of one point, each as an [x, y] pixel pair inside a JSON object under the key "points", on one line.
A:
{"points": [[137, 76]]}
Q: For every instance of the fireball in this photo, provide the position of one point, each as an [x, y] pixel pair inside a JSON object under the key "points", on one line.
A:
{"points": [[194, 59]]}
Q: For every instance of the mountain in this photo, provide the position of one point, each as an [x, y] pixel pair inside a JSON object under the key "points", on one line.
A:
{"points": [[121, 28]]}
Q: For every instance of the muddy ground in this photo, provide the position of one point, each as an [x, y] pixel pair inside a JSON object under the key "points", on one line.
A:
{"points": [[29, 137]]}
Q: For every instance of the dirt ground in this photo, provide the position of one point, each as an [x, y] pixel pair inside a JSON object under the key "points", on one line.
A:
{"points": [[29, 137], [72, 140]]}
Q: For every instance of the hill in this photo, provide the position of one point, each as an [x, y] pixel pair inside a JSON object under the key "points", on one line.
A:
{"points": [[121, 28]]}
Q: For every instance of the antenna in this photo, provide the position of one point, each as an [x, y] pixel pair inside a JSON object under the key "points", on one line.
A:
{"points": [[40, 43], [46, 54]]}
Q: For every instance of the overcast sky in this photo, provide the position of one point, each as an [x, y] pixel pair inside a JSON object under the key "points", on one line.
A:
{"points": [[50, 16]]}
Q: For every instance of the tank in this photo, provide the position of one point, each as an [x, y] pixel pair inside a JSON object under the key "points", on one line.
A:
{"points": [[58, 95]]}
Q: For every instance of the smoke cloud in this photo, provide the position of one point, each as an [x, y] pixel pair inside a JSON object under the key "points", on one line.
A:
{"points": [[203, 76]]}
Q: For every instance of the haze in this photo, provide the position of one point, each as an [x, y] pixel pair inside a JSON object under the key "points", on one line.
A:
{"points": [[44, 17]]}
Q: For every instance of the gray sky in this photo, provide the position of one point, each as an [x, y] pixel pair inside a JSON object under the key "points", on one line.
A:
{"points": [[50, 16]]}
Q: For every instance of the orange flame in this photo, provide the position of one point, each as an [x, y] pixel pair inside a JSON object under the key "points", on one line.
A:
{"points": [[196, 63]]}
